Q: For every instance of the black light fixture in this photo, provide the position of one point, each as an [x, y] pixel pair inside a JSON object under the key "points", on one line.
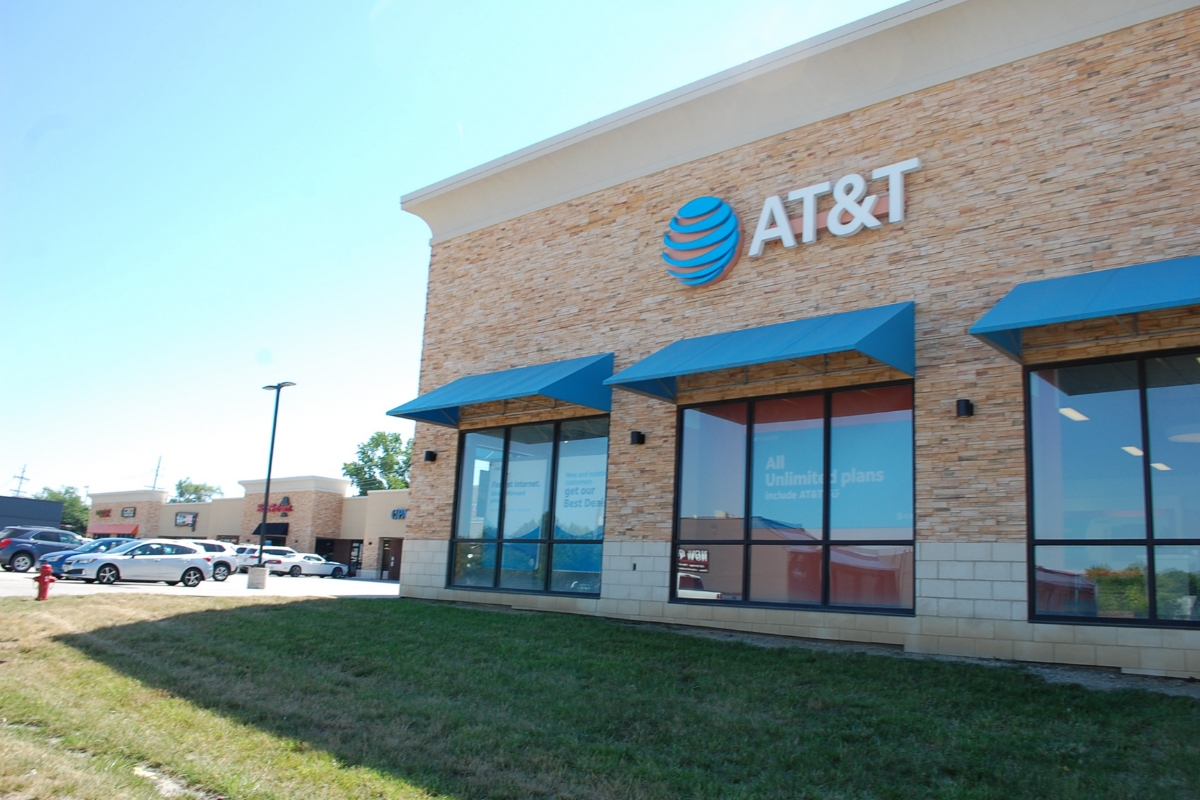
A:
{"points": [[965, 408], [431, 455], [637, 437], [262, 531]]}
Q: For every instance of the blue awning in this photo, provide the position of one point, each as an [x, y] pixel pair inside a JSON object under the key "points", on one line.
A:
{"points": [[885, 333], [1107, 293], [577, 380]]}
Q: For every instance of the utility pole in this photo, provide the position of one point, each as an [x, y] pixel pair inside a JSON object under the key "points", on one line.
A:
{"points": [[20, 479], [156, 469]]}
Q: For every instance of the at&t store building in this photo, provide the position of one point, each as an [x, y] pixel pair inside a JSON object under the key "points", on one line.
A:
{"points": [[892, 336]]}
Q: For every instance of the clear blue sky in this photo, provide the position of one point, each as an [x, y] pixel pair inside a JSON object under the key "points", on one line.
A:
{"points": [[197, 199]]}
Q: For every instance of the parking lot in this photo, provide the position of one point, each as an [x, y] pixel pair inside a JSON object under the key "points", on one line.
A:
{"points": [[13, 584]]}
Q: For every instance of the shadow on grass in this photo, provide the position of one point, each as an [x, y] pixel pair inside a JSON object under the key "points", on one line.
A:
{"points": [[477, 703]]}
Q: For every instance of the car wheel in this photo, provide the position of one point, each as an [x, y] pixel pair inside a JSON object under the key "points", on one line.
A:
{"points": [[192, 577], [295, 571], [338, 572], [220, 572], [21, 562], [107, 574]]}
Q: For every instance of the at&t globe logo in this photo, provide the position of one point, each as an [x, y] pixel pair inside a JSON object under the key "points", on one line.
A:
{"points": [[704, 242]]}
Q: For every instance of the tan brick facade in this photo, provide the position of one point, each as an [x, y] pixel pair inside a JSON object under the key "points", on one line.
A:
{"points": [[147, 511], [1068, 162], [1080, 159], [314, 514]]}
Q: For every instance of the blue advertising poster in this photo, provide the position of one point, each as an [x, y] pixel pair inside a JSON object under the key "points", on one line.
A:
{"points": [[871, 476]]}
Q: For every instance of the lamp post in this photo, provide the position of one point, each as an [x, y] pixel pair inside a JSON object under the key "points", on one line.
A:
{"points": [[262, 530]]}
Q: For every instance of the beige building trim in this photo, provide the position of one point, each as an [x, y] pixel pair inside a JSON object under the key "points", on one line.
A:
{"points": [[905, 49]]}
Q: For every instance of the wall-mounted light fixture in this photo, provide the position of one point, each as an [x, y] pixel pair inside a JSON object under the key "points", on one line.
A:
{"points": [[965, 408], [431, 455], [637, 437]]}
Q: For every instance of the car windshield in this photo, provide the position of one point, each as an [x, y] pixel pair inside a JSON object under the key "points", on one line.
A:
{"points": [[124, 548], [99, 546]]}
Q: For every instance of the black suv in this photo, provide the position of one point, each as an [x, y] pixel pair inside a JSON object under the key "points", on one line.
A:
{"points": [[21, 547]]}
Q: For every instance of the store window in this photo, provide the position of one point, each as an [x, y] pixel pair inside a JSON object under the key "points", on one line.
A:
{"points": [[530, 508], [1115, 468], [754, 522]]}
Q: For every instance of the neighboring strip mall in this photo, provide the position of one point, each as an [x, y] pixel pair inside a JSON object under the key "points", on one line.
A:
{"points": [[891, 336]]}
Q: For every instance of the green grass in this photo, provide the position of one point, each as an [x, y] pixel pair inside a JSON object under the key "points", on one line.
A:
{"points": [[385, 698]]}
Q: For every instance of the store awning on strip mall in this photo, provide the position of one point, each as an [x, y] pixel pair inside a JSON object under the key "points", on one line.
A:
{"points": [[885, 333], [577, 380], [112, 529], [1093, 295]]}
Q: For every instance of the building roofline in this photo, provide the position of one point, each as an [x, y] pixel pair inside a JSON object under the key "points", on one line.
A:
{"points": [[905, 49], [741, 72]]}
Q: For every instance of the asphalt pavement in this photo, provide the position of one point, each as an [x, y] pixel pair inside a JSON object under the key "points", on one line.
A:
{"points": [[14, 584]]}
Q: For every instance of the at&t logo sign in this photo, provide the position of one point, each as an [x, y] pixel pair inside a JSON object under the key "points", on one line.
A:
{"points": [[704, 242], [705, 236]]}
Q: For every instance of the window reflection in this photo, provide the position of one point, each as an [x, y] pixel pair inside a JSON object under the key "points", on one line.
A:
{"points": [[785, 574], [517, 552], [871, 576], [860, 438], [1177, 582], [479, 482], [788, 482], [1091, 581], [581, 482], [527, 481], [712, 486], [576, 568], [1087, 452], [871, 464], [523, 566], [474, 564], [1173, 408], [708, 572]]}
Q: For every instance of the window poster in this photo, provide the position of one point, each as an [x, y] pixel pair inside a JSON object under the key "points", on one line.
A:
{"points": [[789, 483], [579, 504], [525, 497], [871, 476]]}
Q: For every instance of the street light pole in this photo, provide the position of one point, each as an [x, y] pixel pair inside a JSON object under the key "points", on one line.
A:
{"points": [[262, 530]]}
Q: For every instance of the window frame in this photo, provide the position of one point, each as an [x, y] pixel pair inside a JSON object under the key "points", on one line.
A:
{"points": [[1148, 543], [826, 543], [552, 490]]}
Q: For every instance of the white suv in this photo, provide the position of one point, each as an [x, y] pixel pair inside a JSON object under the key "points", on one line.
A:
{"points": [[224, 557]]}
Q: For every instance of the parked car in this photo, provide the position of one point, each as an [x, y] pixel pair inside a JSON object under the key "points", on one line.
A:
{"points": [[249, 557], [247, 554], [284, 561], [691, 587], [312, 564], [165, 560], [225, 560], [21, 547], [55, 560]]}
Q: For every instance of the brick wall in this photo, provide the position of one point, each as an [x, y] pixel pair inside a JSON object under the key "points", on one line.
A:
{"points": [[147, 516], [1063, 163], [1076, 160]]}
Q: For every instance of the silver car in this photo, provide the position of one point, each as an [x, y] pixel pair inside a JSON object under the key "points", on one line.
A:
{"points": [[311, 564], [143, 560]]}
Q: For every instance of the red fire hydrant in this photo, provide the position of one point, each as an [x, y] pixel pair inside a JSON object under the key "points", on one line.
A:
{"points": [[43, 580]]}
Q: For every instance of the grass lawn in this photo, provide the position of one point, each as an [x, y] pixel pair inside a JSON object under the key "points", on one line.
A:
{"points": [[387, 698]]}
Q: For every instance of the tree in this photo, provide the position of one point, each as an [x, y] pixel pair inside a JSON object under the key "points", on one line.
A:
{"points": [[188, 492], [75, 510], [384, 462]]}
